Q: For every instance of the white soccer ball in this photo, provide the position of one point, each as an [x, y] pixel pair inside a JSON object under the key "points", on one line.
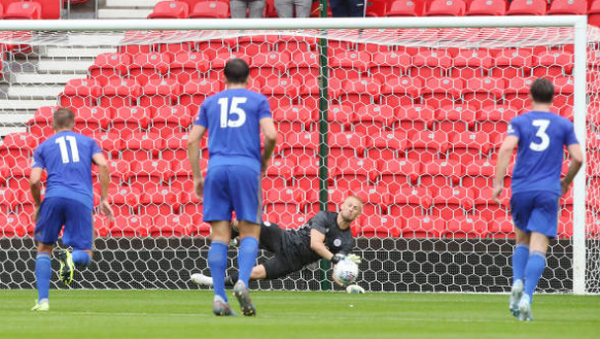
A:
{"points": [[345, 271]]}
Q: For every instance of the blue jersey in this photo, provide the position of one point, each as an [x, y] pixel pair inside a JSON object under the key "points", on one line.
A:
{"points": [[232, 119], [67, 157], [542, 137]]}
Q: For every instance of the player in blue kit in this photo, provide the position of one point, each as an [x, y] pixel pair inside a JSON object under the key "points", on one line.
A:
{"points": [[67, 157], [233, 118], [536, 188]]}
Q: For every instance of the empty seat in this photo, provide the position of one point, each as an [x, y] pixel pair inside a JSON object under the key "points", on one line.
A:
{"points": [[108, 66], [187, 66], [439, 92], [431, 63], [501, 228], [446, 8], [13, 225], [360, 92], [482, 92], [142, 146], [120, 92], [29, 10], [427, 145], [354, 173], [452, 202], [159, 200], [111, 143], [405, 8], [170, 10], [124, 200], [339, 117], [269, 65], [278, 175], [16, 147], [386, 146], [146, 66], [516, 93], [376, 8], [527, 7], [345, 145], [494, 119], [373, 119], [300, 145], [196, 91], [486, 207], [150, 173], [282, 91], [296, 118], [568, 7], [466, 227], [348, 64], [413, 118], [129, 226], [487, 7], [440, 173], [80, 93], [306, 174], [396, 173], [160, 92], [455, 118], [423, 227], [554, 63], [182, 179], [41, 123], [128, 120], [304, 66], [171, 120], [479, 174], [90, 120], [389, 65], [283, 204], [512, 62], [410, 201], [172, 225], [51, 9], [210, 9]]}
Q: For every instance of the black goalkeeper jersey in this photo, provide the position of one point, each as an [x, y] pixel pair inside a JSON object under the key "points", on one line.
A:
{"points": [[296, 243]]}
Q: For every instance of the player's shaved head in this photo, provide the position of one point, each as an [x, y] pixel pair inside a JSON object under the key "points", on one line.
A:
{"points": [[236, 71], [357, 199], [542, 91], [63, 118]]}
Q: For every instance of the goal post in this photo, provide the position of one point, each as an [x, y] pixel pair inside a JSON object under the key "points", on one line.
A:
{"points": [[386, 269]]}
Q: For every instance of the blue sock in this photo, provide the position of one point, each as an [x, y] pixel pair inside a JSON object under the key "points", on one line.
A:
{"points": [[81, 258], [533, 271], [519, 261], [247, 258], [43, 270], [217, 262]]}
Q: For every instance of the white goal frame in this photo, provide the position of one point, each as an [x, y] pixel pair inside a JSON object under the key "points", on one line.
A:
{"points": [[579, 23]]}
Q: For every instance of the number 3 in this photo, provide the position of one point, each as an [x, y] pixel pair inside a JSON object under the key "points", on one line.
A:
{"points": [[542, 125], [235, 101]]}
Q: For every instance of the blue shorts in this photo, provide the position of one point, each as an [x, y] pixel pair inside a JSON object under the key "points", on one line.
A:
{"points": [[75, 216], [232, 188], [535, 212]]}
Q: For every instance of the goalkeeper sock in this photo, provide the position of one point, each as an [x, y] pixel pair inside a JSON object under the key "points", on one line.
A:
{"points": [[533, 271], [247, 258], [43, 270], [519, 261], [81, 258], [217, 262]]}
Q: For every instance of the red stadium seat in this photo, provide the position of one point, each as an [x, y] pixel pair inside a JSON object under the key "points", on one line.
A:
{"points": [[253, 45], [296, 118], [51, 9], [146, 66], [479, 174], [481, 92], [430, 63], [413, 118], [455, 118], [487, 7], [348, 64], [466, 147], [108, 66], [120, 92], [410, 201], [120, 172], [196, 91], [142, 146], [128, 120], [101, 226], [9, 199], [487, 207], [110, 143], [568, 7], [501, 228], [378, 226], [300, 145], [278, 175], [296, 44], [386, 146], [182, 178], [470, 63], [130, 226], [90, 120], [16, 147], [554, 63], [187, 66], [171, 225], [80, 93], [345, 145], [210, 9], [452, 202], [439, 92], [494, 119], [150, 173], [512, 62], [527, 7], [304, 66], [282, 91], [306, 174], [170, 10], [175, 147], [339, 117], [159, 200], [390, 65], [360, 92], [516, 93], [269, 65], [564, 88], [405, 8], [13, 225], [395, 174], [376, 8], [423, 227], [41, 124], [171, 120], [440, 173], [446, 8], [594, 13], [373, 119], [466, 227], [283, 204], [427, 145], [160, 92], [124, 200], [354, 173], [29, 10]]}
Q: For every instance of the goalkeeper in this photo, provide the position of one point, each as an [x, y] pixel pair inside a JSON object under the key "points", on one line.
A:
{"points": [[327, 235]]}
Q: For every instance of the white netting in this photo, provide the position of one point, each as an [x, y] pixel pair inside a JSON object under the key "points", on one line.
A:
{"points": [[415, 117]]}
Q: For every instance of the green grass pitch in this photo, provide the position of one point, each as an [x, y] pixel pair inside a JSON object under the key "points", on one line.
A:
{"points": [[308, 315]]}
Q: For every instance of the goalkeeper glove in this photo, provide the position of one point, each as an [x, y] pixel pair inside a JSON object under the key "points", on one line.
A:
{"points": [[353, 257], [355, 289]]}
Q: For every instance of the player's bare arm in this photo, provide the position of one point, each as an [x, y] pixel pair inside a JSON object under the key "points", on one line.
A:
{"points": [[193, 147], [270, 133], [576, 162], [35, 185], [504, 155], [104, 175]]}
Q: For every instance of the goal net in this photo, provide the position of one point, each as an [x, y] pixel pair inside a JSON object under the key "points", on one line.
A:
{"points": [[408, 119]]}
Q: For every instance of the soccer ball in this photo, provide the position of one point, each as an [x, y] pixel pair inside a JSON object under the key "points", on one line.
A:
{"points": [[345, 271]]}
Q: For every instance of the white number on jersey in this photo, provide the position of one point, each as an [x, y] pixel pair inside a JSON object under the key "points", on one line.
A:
{"points": [[63, 149], [226, 112], [542, 125]]}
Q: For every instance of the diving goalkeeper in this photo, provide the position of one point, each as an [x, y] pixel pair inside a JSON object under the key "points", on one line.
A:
{"points": [[327, 235]]}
